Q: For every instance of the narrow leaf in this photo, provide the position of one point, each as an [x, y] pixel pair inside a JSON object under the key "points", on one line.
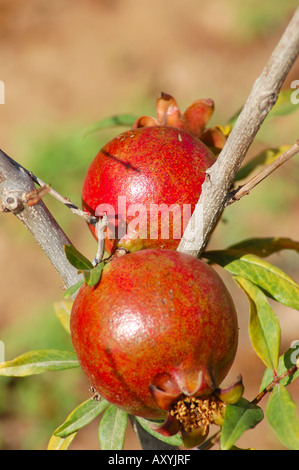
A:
{"points": [[175, 440], [271, 279], [281, 412], [239, 418], [59, 443], [265, 246], [283, 105], [81, 416], [63, 312], [112, 429], [73, 289], [286, 361], [113, 121], [76, 258], [36, 362], [264, 328], [263, 159], [92, 276]]}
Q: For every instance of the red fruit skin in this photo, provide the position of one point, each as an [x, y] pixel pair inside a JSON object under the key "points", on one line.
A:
{"points": [[153, 312], [149, 165]]}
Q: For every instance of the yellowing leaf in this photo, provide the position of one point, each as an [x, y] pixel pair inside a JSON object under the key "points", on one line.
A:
{"points": [[264, 328], [63, 312], [59, 443], [272, 280], [38, 361]]}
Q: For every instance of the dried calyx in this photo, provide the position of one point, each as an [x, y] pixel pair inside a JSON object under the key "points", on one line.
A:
{"points": [[192, 414]]}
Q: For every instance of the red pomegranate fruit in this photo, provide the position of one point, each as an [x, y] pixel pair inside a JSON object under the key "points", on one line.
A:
{"points": [[148, 179], [156, 336]]}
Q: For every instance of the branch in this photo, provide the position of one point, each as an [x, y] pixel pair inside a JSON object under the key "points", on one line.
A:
{"points": [[220, 177], [268, 170], [16, 189]]}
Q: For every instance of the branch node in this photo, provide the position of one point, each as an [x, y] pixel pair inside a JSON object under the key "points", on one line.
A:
{"points": [[13, 201]]}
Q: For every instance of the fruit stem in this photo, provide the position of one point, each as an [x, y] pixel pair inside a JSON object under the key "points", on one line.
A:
{"points": [[100, 227]]}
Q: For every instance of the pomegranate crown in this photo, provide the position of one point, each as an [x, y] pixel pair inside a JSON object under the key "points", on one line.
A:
{"points": [[193, 120]]}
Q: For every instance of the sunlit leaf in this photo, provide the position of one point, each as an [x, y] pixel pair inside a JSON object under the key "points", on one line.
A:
{"points": [[92, 276], [36, 362], [283, 106], [63, 313], [60, 443], [264, 328], [239, 418], [265, 246], [281, 413], [81, 416], [73, 289], [112, 428], [271, 279], [263, 159], [286, 361], [175, 440], [113, 121], [76, 258]]}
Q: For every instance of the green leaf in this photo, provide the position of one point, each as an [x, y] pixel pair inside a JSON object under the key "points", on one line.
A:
{"points": [[263, 159], [264, 328], [238, 418], [265, 246], [76, 258], [283, 105], [113, 121], [281, 413], [271, 279], [71, 290], [286, 361], [93, 276], [63, 312], [175, 440], [36, 362], [81, 416], [112, 429], [59, 443]]}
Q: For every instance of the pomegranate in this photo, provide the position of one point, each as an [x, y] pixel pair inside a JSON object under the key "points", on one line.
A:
{"points": [[156, 336], [148, 179]]}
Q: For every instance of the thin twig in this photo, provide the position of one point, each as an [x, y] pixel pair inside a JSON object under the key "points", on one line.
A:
{"points": [[100, 227], [52, 192], [245, 189], [274, 382]]}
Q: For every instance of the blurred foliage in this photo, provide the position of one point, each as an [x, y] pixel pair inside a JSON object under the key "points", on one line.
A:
{"points": [[254, 18], [33, 407]]}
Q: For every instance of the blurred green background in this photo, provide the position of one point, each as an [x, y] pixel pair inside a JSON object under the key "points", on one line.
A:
{"points": [[65, 65]]}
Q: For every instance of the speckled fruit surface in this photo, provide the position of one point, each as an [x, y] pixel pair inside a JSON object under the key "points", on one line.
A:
{"points": [[154, 314], [141, 172]]}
